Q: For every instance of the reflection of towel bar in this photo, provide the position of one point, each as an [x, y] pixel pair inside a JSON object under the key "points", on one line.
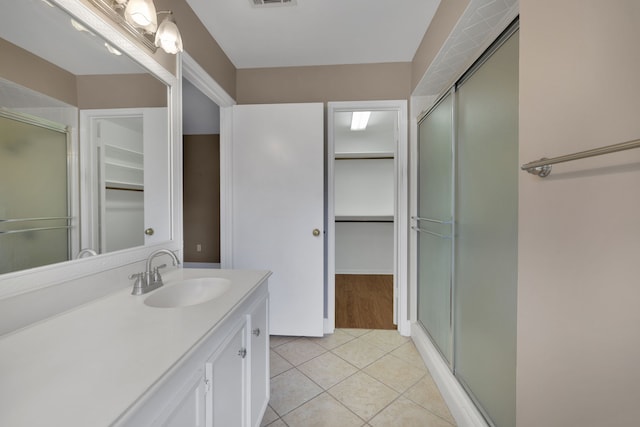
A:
{"points": [[437, 221], [50, 218], [421, 230], [25, 230]]}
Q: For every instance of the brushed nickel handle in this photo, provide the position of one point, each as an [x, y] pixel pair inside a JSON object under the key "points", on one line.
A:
{"points": [[256, 332], [316, 232], [149, 231], [242, 353]]}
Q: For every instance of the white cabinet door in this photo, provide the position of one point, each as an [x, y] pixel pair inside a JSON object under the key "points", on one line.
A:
{"points": [[190, 410], [259, 356], [226, 372], [278, 209]]}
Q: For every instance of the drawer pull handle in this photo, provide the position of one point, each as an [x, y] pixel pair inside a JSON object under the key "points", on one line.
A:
{"points": [[256, 332], [242, 353]]}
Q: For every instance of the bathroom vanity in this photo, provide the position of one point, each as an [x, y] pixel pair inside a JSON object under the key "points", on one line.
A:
{"points": [[120, 361]]}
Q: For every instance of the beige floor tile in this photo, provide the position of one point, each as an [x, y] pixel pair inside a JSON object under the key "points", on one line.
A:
{"points": [[290, 390], [336, 339], [409, 354], [322, 411], [278, 423], [277, 364], [426, 394], [354, 332], [387, 340], [269, 417], [363, 395], [327, 370], [299, 351], [405, 413], [395, 373], [359, 353], [276, 340]]}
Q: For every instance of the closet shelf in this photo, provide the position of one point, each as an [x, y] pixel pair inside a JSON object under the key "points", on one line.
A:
{"points": [[364, 218], [359, 155]]}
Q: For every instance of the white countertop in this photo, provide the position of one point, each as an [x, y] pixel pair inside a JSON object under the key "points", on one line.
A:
{"points": [[85, 367]]}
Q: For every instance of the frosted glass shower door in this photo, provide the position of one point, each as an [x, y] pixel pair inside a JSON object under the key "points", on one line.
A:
{"points": [[434, 224], [34, 207], [486, 233]]}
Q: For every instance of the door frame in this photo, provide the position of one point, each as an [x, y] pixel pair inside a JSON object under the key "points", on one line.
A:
{"points": [[400, 292], [198, 77]]}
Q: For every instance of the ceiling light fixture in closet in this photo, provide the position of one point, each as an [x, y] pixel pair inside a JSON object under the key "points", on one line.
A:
{"points": [[359, 120]]}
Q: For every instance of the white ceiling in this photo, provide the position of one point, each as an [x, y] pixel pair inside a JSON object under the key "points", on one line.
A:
{"points": [[47, 32], [316, 32]]}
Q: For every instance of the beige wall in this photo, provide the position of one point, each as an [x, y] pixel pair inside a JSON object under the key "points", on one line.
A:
{"points": [[201, 198], [120, 91], [22, 67], [441, 26], [579, 236], [324, 83]]}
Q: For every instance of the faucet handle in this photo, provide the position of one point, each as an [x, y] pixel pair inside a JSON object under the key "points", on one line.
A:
{"points": [[139, 284], [155, 275]]}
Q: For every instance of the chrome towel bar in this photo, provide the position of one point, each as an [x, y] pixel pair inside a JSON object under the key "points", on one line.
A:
{"points": [[26, 230], [49, 218], [542, 167], [422, 230], [437, 221]]}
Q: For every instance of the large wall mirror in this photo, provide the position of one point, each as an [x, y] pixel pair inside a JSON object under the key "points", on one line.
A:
{"points": [[85, 131]]}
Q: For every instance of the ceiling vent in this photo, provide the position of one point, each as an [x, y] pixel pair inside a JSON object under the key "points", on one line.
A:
{"points": [[264, 3]]}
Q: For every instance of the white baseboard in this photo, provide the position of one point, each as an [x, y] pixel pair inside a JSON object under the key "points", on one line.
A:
{"points": [[462, 408], [389, 272], [201, 265]]}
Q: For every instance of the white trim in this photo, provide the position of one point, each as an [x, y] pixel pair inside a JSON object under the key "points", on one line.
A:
{"points": [[401, 210], [197, 76], [462, 408], [226, 193], [363, 272]]}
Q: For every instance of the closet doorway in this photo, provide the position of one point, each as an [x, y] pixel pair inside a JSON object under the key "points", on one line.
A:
{"points": [[365, 158], [201, 178]]}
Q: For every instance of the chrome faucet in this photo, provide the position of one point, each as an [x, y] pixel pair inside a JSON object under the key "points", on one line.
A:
{"points": [[150, 279], [87, 251]]}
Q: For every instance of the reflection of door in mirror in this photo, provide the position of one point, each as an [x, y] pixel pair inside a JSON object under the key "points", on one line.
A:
{"points": [[34, 217], [129, 174]]}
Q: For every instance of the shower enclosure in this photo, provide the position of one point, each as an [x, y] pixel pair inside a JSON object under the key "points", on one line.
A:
{"points": [[34, 216], [466, 228]]}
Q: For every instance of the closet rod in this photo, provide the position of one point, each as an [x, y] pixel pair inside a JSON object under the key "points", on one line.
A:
{"points": [[542, 167]]}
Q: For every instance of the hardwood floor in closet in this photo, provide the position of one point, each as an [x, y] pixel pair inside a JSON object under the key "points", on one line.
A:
{"points": [[364, 301]]}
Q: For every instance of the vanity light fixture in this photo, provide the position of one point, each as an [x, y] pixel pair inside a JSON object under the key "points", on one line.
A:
{"points": [[359, 120], [141, 14], [140, 19]]}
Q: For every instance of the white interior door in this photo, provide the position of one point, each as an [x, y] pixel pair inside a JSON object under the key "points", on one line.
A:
{"points": [[278, 209], [157, 197]]}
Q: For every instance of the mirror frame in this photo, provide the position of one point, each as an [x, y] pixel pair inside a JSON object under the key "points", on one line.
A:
{"points": [[19, 282]]}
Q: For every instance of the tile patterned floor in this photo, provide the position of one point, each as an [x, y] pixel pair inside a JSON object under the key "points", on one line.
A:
{"points": [[355, 377]]}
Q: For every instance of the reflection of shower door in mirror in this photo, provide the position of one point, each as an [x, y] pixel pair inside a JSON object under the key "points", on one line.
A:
{"points": [[34, 217], [131, 178], [434, 225]]}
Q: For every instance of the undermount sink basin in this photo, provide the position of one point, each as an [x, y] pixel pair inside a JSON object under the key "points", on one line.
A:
{"points": [[188, 292]]}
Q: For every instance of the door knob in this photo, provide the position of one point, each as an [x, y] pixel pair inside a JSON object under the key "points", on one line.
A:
{"points": [[149, 231], [316, 232]]}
